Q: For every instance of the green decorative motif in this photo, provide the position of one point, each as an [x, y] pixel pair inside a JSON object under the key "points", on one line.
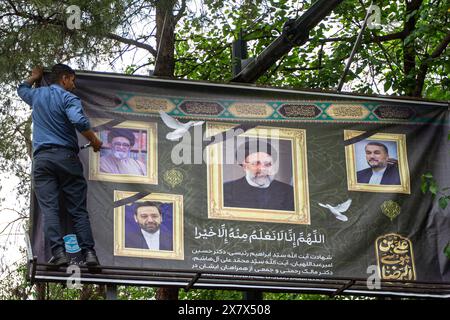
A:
{"points": [[173, 177], [330, 111], [390, 209]]}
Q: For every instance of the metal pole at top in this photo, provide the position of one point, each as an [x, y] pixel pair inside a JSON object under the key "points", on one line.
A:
{"points": [[238, 53], [355, 47], [295, 33]]}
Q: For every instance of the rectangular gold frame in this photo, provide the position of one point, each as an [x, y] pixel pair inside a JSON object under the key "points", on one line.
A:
{"points": [[400, 266], [178, 234], [353, 185], [152, 155], [216, 209]]}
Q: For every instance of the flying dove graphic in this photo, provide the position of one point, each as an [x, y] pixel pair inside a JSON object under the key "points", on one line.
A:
{"points": [[339, 209], [179, 128]]}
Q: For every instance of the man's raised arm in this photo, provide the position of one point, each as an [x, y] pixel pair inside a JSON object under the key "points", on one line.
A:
{"points": [[24, 90]]}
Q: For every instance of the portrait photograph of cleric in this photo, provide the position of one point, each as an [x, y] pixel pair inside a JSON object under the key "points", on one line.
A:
{"points": [[149, 228], [128, 154], [260, 175], [378, 163]]}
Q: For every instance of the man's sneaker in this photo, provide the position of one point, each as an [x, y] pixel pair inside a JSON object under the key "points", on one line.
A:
{"points": [[91, 258], [60, 258]]}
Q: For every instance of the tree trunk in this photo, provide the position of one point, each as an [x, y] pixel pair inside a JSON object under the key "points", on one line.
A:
{"points": [[87, 292], [101, 291], [167, 293], [165, 66], [165, 39], [409, 49], [41, 289]]}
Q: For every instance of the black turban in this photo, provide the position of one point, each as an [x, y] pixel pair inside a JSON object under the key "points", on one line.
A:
{"points": [[120, 132]]}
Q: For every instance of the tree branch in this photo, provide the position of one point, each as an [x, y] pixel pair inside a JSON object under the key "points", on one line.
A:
{"points": [[141, 66], [208, 57], [387, 37], [180, 12], [133, 42], [302, 69], [389, 60], [11, 223], [110, 35], [423, 69], [441, 47]]}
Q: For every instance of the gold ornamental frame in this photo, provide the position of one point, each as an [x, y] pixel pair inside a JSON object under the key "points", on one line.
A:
{"points": [[350, 157], [214, 155], [178, 234], [152, 155]]}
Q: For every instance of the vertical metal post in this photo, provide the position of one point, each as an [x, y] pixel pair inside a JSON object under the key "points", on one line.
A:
{"points": [[111, 292], [253, 295], [238, 53]]}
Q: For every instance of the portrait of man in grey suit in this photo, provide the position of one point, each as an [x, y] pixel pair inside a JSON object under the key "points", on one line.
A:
{"points": [[382, 170]]}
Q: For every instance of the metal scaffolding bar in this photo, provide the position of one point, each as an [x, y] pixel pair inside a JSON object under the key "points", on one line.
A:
{"points": [[295, 33], [355, 48]]}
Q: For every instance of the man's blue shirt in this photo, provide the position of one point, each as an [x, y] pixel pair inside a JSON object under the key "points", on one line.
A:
{"points": [[56, 114]]}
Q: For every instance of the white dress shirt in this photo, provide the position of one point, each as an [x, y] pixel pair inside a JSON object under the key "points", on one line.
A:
{"points": [[377, 176], [152, 239]]}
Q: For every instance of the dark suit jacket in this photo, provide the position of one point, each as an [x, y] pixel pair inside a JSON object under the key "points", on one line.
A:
{"points": [[135, 239], [390, 177], [278, 196]]}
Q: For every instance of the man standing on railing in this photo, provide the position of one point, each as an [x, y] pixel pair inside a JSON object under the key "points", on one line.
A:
{"points": [[57, 170]]}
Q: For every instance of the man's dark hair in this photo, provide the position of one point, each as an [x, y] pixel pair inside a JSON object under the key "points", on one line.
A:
{"points": [[59, 70], [252, 146], [121, 132], [379, 144], [147, 204]]}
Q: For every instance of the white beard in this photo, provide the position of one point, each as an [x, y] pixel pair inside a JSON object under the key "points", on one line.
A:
{"points": [[120, 155], [259, 182]]}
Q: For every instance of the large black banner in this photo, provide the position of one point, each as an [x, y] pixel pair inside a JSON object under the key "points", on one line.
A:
{"points": [[260, 187]]}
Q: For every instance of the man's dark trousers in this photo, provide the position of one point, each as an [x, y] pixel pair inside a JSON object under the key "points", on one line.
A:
{"points": [[59, 172]]}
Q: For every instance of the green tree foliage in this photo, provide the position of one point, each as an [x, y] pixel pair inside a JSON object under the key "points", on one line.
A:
{"points": [[406, 56], [15, 142], [36, 32]]}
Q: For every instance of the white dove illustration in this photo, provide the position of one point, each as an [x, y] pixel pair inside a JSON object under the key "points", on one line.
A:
{"points": [[339, 209], [179, 128]]}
